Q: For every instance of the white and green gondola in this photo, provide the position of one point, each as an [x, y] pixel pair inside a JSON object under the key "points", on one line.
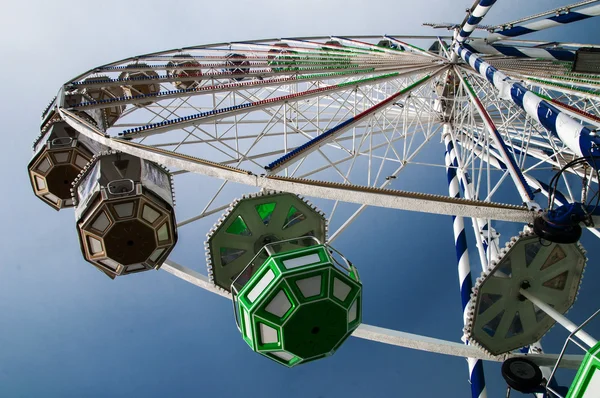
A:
{"points": [[296, 299]]}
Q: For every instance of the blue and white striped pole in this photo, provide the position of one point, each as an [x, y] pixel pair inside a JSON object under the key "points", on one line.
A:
{"points": [[476, 375], [482, 46], [578, 138], [486, 237], [476, 16], [494, 160], [555, 20]]}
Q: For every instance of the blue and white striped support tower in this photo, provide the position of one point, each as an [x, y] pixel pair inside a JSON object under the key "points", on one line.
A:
{"points": [[476, 375], [568, 130], [468, 26], [482, 46], [562, 18], [489, 248], [487, 243], [475, 17]]}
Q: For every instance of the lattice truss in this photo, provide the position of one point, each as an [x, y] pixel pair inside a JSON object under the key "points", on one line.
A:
{"points": [[313, 110], [197, 102], [537, 152]]}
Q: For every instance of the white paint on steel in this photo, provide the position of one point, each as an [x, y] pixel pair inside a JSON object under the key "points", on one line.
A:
{"points": [[547, 23], [569, 132], [559, 318], [437, 346], [193, 277], [388, 336], [394, 200], [530, 103]]}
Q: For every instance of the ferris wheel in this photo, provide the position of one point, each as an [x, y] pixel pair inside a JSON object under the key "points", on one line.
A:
{"points": [[257, 126]]}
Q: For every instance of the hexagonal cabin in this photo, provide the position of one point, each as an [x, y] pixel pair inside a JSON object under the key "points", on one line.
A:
{"points": [[237, 64], [300, 305], [103, 89], [187, 69], [387, 43], [59, 154], [124, 212], [144, 74], [282, 59]]}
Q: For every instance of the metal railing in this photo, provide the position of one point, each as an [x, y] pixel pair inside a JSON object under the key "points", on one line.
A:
{"points": [[562, 352]]}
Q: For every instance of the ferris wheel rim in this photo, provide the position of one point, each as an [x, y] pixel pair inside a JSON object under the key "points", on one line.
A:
{"points": [[390, 336], [93, 136], [506, 212]]}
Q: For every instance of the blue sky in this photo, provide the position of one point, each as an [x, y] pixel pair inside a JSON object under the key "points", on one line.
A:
{"points": [[66, 331]]}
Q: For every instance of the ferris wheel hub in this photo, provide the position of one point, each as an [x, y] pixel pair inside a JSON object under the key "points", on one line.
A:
{"points": [[561, 225], [499, 318]]}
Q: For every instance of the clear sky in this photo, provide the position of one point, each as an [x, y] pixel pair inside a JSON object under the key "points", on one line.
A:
{"points": [[66, 331]]}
